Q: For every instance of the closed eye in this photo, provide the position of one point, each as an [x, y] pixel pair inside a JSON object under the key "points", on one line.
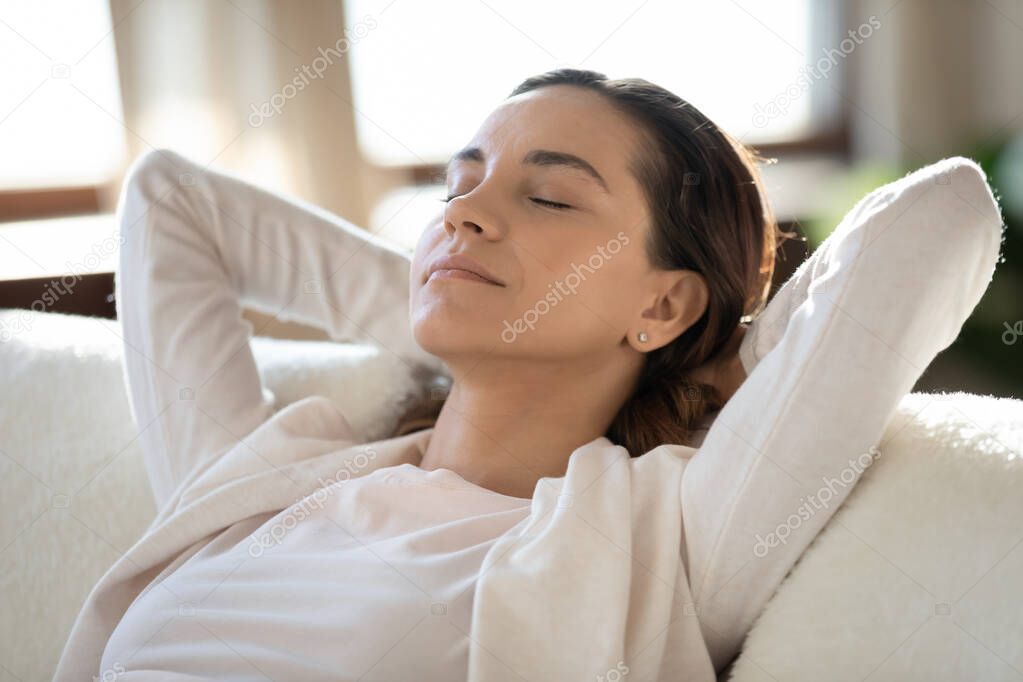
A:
{"points": [[552, 204], [542, 202]]}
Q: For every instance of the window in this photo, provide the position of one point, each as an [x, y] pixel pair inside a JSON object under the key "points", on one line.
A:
{"points": [[422, 83], [60, 108]]}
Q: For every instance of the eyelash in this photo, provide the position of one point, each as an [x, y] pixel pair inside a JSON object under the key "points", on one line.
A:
{"points": [[543, 202]]}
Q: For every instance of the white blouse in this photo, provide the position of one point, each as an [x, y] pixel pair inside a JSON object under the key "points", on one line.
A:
{"points": [[308, 593]]}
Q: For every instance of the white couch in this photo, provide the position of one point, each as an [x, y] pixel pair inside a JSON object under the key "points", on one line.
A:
{"points": [[919, 576]]}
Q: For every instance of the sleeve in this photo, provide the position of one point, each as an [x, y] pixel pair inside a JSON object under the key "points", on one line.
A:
{"points": [[828, 361], [197, 244]]}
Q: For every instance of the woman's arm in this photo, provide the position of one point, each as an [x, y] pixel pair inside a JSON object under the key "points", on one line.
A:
{"points": [[829, 361], [197, 244]]}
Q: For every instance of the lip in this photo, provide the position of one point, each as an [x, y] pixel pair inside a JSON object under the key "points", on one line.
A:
{"points": [[461, 266]]}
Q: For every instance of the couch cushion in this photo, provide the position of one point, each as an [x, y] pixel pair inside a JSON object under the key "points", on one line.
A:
{"points": [[919, 576]]}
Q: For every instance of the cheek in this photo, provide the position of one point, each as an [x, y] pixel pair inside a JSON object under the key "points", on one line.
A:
{"points": [[581, 303], [599, 275], [426, 247], [427, 242]]}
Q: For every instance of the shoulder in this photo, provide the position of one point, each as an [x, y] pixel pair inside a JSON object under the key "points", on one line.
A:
{"points": [[299, 431]]}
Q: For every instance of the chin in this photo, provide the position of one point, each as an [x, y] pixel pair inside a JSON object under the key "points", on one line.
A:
{"points": [[446, 333]]}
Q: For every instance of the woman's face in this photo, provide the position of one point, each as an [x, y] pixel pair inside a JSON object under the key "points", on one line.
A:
{"points": [[573, 281]]}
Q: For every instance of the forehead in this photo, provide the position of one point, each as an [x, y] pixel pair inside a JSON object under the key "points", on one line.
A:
{"points": [[563, 118]]}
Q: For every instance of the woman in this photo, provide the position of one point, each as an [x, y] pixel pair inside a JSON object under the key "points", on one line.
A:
{"points": [[563, 517]]}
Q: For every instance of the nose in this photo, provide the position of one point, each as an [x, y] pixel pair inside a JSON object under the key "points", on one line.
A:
{"points": [[467, 213]]}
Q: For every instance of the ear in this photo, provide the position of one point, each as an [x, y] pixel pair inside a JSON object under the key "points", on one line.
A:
{"points": [[680, 297]]}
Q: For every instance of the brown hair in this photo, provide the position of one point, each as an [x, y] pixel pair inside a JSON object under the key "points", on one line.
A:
{"points": [[709, 213]]}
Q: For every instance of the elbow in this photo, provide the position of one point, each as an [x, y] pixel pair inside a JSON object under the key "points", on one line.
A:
{"points": [[157, 180], [953, 223], [968, 206], [154, 173], [965, 236]]}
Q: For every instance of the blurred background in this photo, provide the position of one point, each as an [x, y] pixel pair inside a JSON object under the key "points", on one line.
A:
{"points": [[356, 105]]}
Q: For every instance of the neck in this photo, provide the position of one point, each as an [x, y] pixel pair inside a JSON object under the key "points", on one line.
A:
{"points": [[506, 426]]}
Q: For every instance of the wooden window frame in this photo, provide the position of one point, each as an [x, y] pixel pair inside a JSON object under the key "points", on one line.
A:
{"points": [[51, 202]]}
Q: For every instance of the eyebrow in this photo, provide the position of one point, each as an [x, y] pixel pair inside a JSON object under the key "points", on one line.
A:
{"points": [[537, 157]]}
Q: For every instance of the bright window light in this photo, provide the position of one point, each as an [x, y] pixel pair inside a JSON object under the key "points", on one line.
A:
{"points": [[60, 105], [426, 75]]}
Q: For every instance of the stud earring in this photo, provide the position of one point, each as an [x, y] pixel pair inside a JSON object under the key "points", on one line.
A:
{"points": [[642, 337]]}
